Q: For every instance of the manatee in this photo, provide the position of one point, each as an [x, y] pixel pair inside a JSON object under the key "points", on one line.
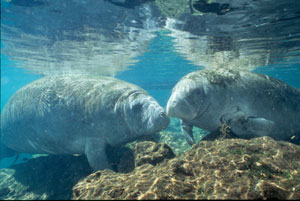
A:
{"points": [[250, 104], [79, 114]]}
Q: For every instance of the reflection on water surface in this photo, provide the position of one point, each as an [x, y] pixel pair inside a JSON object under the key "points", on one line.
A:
{"points": [[105, 37]]}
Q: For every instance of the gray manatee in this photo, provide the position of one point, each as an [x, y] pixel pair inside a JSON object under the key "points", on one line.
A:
{"points": [[250, 104], [79, 114]]}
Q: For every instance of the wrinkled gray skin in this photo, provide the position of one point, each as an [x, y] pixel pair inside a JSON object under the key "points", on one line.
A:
{"points": [[251, 104], [79, 115]]}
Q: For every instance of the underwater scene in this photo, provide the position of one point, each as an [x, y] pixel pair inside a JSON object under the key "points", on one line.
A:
{"points": [[150, 99]]}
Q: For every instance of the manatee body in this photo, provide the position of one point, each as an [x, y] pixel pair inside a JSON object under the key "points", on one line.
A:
{"points": [[77, 114], [250, 104]]}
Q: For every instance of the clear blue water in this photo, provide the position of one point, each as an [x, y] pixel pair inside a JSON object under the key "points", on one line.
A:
{"points": [[41, 38]]}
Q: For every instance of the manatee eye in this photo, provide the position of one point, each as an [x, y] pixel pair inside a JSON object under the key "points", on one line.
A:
{"points": [[197, 92], [195, 96], [136, 108]]}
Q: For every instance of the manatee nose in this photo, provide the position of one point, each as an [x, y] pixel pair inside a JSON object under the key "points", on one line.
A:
{"points": [[164, 119], [170, 107], [162, 114], [173, 102]]}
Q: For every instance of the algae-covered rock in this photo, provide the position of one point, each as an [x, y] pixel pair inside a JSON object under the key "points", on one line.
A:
{"points": [[52, 177], [152, 153], [125, 158], [259, 168]]}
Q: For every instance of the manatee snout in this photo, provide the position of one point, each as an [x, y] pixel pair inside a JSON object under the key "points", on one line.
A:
{"points": [[145, 116], [159, 120], [179, 107], [163, 120], [170, 111]]}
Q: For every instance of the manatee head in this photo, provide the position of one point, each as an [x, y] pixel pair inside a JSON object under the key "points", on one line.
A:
{"points": [[188, 99], [144, 115]]}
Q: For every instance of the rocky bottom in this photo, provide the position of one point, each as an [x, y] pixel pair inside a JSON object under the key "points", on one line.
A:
{"points": [[43, 178], [259, 168]]}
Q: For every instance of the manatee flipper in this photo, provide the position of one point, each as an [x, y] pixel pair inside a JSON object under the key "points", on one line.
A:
{"points": [[187, 131], [95, 151], [260, 126], [234, 113], [244, 126]]}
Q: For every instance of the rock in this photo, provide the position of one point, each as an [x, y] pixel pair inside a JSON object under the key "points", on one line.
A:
{"points": [[52, 177], [152, 153], [259, 168], [47, 177], [131, 155]]}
